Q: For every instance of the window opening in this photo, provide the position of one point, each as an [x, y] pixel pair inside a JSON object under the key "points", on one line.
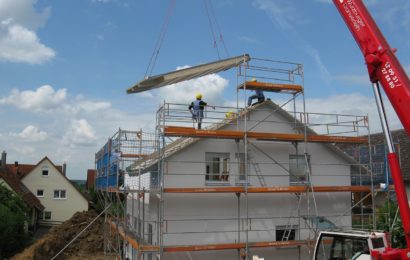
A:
{"points": [[217, 167]]}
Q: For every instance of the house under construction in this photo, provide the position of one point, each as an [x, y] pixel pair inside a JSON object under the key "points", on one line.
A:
{"points": [[255, 182]]}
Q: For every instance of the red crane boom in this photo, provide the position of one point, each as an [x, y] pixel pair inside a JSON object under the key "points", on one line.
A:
{"points": [[383, 68], [382, 64]]}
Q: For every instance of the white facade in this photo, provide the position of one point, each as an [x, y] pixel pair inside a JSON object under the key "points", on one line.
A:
{"points": [[59, 197], [220, 218]]}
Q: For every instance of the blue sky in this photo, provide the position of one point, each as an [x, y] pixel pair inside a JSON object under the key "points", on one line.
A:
{"points": [[65, 65]]}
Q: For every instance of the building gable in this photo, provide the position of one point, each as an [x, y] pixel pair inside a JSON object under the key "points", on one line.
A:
{"points": [[47, 169]]}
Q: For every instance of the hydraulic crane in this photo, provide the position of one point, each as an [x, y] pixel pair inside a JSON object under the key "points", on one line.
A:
{"points": [[384, 69]]}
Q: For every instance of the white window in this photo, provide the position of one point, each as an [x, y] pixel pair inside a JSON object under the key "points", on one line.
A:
{"points": [[46, 215], [44, 173], [217, 167], [298, 169], [40, 193], [60, 194]]}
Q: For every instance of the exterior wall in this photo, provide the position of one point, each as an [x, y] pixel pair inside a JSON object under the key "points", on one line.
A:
{"points": [[212, 218], [61, 209]]}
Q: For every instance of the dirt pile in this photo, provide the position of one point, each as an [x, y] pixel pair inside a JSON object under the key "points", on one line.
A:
{"points": [[89, 245]]}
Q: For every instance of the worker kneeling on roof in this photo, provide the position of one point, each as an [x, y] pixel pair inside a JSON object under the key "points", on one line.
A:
{"points": [[258, 95], [197, 109]]}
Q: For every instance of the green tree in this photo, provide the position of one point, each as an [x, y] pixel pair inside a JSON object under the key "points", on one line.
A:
{"points": [[13, 218], [386, 215]]}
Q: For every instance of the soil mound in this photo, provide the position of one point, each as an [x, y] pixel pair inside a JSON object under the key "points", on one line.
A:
{"points": [[89, 245]]}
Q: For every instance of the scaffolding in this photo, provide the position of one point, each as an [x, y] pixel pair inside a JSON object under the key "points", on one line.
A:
{"points": [[272, 161], [115, 181]]}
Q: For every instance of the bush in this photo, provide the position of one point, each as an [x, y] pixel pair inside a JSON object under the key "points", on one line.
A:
{"points": [[385, 218], [13, 216]]}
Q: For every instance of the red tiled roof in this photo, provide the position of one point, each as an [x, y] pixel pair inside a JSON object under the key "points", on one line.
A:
{"points": [[22, 170], [15, 183]]}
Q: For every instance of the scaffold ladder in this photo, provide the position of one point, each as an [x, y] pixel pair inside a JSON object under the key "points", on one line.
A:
{"points": [[288, 229], [257, 169]]}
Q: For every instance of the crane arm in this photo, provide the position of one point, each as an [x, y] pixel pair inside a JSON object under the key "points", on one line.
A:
{"points": [[383, 68], [382, 64]]}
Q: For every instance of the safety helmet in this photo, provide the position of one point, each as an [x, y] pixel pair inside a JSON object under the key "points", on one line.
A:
{"points": [[198, 96], [253, 80]]}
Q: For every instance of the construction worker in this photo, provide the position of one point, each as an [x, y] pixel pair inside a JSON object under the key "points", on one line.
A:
{"points": [[258, 95], [197, 109]]}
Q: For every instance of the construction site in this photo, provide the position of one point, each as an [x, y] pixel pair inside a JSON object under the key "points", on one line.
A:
{"points": [[251, 182]]}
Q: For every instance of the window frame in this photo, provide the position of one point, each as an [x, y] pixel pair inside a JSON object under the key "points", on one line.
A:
{"points": [[44, 215], [223, 165], [293, 181], [40, 196], [60, 191], [45, 171], [242, 167]]}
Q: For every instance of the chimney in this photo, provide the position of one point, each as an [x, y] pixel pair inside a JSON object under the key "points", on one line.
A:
{"points": [[64, 168], [3, 160], [16, 169]]}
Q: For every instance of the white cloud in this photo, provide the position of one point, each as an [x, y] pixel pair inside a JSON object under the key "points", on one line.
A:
{"points": [[407, 69], [18, 39], [70, 130], [43, 99], [282, 14], [82, 105], [285, 16], [362, 79], [102, 1], [79, 132], [23, 12], [210, 86], [351, 104], [18, 44], [46, 99], [324, 72], [249, 40], [31, 133], [25, 150]]}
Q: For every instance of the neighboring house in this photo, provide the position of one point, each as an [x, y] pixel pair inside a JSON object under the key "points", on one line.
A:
{"points": [[49, 183], [378, 156], [13, 183], [211, 218]]}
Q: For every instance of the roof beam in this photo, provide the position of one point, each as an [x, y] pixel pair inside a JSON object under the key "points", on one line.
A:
{"points": [[187, 74]]}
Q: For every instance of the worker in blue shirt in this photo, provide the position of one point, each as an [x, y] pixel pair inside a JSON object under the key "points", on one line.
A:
{"points": [[197, 109], [258, 95]]}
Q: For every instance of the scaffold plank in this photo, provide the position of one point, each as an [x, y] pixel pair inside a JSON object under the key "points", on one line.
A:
{"points": [[129, 155], [286, 189], [272, 87], [178, 131], [121, 232], [185, 248], [282, 244]]}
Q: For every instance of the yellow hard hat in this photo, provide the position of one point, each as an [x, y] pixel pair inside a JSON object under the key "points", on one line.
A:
{"points": [[253, 80], [198, 96]]}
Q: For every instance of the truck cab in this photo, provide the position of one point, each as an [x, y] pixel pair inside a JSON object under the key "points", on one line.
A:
{"points": [[348, 245]]}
